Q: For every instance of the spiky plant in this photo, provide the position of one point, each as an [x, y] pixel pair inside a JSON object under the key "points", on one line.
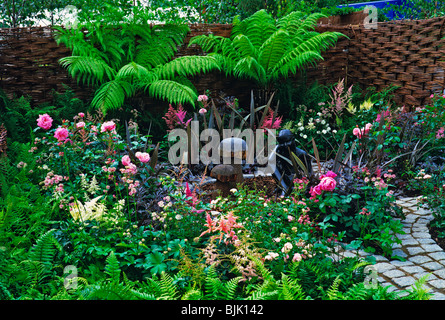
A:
{"points": [[265, 50], [124, 60]]}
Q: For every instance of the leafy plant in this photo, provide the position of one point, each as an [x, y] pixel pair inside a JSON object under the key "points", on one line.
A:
{"points": [[123, 60], [265, 50]]}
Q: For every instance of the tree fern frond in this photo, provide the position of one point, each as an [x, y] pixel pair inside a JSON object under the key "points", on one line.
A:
{"points": [[244, 46], [87, 70], [132, 71], [273, 49], [187, 66], [111, 95], [249, 67], [173, 92]]}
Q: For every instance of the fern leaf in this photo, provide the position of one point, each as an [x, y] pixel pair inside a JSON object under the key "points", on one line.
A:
{"points": [[187, 66], [333, 293], [173, 92], [88, 70], [169, 290], [44, 249], [112, 268], [111, 95]]}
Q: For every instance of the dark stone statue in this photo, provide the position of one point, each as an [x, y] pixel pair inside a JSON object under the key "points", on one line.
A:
{"points": [[285, 171]]}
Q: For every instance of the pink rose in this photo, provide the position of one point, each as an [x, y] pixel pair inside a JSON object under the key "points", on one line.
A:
{"points": [[80, 125], [357, 132], [126, 160], [368, 127], [315, 191], [44, 121], [329, 174], [108, 126], [143, 156], [203, 98], [61, 134], [327, 184], [81, 114]]}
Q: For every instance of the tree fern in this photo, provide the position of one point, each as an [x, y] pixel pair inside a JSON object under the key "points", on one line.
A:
{"points": [[125, 61], [265, 50]]}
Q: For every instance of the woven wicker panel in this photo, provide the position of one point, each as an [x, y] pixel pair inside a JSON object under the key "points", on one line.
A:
{"points": [[408, 54]]}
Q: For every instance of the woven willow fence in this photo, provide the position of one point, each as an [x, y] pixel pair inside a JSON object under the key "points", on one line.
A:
{"points": [[408, 54]]}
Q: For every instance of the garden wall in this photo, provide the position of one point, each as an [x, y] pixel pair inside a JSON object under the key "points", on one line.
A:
{"points": [[404, 53]]}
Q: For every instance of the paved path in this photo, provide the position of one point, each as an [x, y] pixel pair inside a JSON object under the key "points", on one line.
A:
{"points": [[422, 254]]}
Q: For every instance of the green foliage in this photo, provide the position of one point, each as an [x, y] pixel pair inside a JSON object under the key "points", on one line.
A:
{"points": [[125, 60], [265, 50]]}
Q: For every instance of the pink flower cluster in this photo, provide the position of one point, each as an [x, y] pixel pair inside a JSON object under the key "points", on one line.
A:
{"points": [[304, 219], [52, 179], [359, 133], [327, 183], [364, 212], [44, 121], [440, 133]]}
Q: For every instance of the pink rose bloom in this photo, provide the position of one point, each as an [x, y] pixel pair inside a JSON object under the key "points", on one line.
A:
{"points": [[108, 126], [328, 184], [80, 125], [330, 174], [44, 121], [357, 132], [315, 191], [143, 156], [126, 160], [81, 114], [203, 98], [61, 134], [368, 127], [202, 111]]}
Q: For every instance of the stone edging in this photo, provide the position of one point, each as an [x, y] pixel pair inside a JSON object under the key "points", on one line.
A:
{"points": [[423, 256]]}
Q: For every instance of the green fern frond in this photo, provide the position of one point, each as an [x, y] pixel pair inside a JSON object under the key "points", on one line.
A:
{"points": [[273, 49], [132, 71], [112, 268], [193, 294], [172, 92], [333, 293], [187, 66], [168, 289], [44, 249], [87, 70], [111, 95], [290, 289]]}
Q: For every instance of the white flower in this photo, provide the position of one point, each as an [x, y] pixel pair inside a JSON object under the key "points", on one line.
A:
{"points": [[324, 131], [178, 217], [233, 190], [161, 204], [277, 239], [305, 137]]}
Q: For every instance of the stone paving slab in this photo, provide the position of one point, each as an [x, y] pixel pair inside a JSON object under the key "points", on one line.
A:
{"points": [[421, 253]]}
